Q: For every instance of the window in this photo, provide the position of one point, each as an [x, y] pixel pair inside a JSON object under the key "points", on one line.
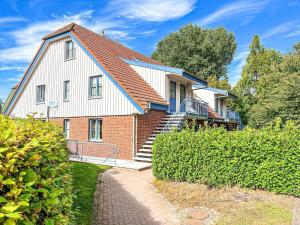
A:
{"points": [[67, 90], [95, 129], [40, 94], [70, 50], [95, 86], [67, 128], [217, 105]]}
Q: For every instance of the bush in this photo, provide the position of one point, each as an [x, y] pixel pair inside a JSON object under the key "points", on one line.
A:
{"points": [[267, 159], [35, 185]]}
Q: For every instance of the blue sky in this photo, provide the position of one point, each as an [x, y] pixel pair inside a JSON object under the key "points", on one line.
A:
{"points": [[140, 24]]}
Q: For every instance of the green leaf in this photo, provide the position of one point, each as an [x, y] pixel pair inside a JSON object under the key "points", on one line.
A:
{"points": [[15, 215], [10, 221], [8, 182], [2, 199], [49, 222]]}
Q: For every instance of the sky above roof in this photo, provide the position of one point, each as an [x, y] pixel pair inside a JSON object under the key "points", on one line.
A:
{"points": [[141, 24]]}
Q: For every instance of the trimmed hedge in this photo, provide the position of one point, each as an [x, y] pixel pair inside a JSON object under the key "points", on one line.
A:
{"points": [[35, 185], [267, 159]]}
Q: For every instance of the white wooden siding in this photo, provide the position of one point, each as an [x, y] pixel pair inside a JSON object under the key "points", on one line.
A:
{"points": [[156, 78], [53, 70], [160, 82], [207, 96]]}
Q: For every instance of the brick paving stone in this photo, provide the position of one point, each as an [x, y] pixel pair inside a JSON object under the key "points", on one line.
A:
{"points": [[127, 197]]}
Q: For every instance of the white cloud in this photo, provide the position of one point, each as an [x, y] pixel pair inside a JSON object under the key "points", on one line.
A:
{"points": [[154, 10], [285, 30], [238, 61], [4, 20], [18, 68], [14, 79], [28, 39], [232, 10]]}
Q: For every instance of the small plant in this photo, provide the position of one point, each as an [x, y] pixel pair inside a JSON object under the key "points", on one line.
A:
{"points": [[35, 185], [266, 158]]}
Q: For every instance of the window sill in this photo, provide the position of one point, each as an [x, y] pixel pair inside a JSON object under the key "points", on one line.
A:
{"points": [[95, 97], [66, 100], [70, 59], [40, 103], [96, 141]]}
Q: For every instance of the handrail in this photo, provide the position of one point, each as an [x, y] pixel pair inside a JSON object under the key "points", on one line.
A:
{"points": [[200, 108], [175, 114], [105, 151]]}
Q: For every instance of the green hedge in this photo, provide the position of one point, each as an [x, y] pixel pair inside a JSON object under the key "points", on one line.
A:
{"points": [[267, 159], [35, 185]]}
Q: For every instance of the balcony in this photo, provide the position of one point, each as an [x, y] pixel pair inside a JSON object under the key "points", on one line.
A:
{"points": [[194, 108], [230, 115]]}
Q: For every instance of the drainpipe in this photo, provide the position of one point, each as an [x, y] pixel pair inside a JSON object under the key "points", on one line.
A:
{"points": [[134, 135]]}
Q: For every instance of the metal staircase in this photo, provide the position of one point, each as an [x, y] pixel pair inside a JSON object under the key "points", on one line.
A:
{"points": [[175, 120], [169, 122]]}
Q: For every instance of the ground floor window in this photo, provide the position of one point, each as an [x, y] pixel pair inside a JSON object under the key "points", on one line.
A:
{"points": [[67, 128], [95, 130]]}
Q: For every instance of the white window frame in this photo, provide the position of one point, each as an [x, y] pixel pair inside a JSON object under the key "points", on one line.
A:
{"points": [[40, 94], [70, 50], [66, 91], [67, 128], [98, 86], [95, 133]]}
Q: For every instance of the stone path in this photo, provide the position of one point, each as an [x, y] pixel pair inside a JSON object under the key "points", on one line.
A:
{"points": [[296, 219], [126, 197]]}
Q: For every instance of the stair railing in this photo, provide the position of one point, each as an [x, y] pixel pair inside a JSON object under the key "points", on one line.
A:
{"points": [[179, 111]]}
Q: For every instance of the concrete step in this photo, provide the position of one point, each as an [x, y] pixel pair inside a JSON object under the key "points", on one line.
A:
{"points": [[149, 142], [147, 146], [152, 138], [142, 159], [146, 155], [145, 150]]}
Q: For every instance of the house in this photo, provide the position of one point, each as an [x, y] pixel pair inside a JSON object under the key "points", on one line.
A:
{"points": [[104, 94], [219, 113]]}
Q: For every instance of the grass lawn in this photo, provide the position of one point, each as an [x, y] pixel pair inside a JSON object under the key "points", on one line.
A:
{"points": [[235, 206], [84, 184]]}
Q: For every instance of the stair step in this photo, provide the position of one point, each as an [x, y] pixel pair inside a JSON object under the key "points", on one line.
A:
{"points": [[144, 150], [146, 155], [152, 138], [142, 159], [149, 142], [147, 146]]}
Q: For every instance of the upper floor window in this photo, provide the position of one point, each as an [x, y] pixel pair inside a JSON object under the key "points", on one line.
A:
{"points": [[95, 129], [95, 86], [40, 94], [70, 50], [67, 90], [67, 128]]}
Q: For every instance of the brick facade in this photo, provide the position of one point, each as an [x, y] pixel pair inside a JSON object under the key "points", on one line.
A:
{"points": [[116, 130], [146, 124]]}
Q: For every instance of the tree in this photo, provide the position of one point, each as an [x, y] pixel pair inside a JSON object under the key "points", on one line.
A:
{"points": [[203, 52], [279, 92], [260, 62], [221, 84], [1, 105]]}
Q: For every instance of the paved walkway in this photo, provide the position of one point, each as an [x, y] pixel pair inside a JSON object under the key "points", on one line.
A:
{"points": [[296, 219], [127, 197]]}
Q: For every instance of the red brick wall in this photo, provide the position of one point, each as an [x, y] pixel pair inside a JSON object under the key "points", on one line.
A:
{"points": [[115, 130], [146, 124]]}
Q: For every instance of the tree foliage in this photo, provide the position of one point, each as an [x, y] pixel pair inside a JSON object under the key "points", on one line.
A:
{"points": [[269, 85], [203, 52], [35, 185]]}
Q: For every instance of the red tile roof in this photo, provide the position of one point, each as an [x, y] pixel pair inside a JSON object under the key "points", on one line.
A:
{"points": [[110, 55], [213, 114]]}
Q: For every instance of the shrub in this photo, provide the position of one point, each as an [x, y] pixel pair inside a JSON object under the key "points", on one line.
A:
{"points": [[268, 158], [35, 185]]}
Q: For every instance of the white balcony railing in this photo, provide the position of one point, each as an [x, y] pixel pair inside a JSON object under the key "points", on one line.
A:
{"points": [[230, 115], [194, 106]]}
